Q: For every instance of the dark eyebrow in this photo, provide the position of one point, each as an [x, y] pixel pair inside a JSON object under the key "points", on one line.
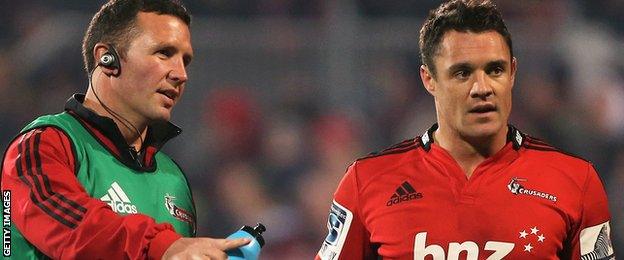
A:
{"points": [[497, 63], [461, 66]]}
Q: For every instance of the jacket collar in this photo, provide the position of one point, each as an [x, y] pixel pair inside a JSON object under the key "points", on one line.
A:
{"points": [[157, 135]]}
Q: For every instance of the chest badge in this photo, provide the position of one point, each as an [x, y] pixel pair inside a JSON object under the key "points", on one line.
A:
{"points": [[516, 188], [177, 212]]}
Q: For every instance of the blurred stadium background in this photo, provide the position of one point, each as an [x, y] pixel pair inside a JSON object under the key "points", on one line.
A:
{"points": [[285, 94]]}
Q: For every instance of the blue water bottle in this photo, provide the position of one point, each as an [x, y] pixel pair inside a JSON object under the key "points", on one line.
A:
{"points": [[251, 250]]}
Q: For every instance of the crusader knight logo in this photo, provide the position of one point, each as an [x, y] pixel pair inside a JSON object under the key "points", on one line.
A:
{"points": [[516, 188], [178, 212]]}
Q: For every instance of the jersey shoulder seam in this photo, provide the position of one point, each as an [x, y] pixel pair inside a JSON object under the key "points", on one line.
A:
{"points": [[533, 143], [402, 147]]}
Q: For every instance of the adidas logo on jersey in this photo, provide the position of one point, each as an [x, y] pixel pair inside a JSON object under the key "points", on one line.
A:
{"points": [[118, 200], [403, 193]]}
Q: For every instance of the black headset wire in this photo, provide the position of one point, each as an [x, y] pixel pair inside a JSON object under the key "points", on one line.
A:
{"points": [[125, 122]]}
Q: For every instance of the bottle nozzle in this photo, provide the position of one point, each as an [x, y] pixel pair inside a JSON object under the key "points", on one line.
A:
{"points": [[259, 228]]}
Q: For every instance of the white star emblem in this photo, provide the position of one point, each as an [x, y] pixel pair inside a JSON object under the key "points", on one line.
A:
{"points": [[528, 247], [523, 234], [541, 238], [534, 230]]}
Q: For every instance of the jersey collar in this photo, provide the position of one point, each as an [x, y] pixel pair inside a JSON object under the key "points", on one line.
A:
{"points": [[513, 135]]}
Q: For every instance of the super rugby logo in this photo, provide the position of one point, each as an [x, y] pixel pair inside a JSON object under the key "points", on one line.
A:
{"points": [[517, 189], [178, 212], [338, 224]]}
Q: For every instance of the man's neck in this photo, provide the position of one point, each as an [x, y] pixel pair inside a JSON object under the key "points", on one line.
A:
{"points": [[469, 152], [127, 129]]}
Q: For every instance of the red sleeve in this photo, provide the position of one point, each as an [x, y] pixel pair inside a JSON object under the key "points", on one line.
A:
{"points": [[347, 238], [53, 211], [592, 238]]}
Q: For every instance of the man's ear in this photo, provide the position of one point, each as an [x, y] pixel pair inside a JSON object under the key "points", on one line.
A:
{"points": [[98, 51], [427, 79], [514, 68]]}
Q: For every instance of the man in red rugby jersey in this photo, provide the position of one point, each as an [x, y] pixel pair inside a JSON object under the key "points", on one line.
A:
{"points": [[472, 186]]}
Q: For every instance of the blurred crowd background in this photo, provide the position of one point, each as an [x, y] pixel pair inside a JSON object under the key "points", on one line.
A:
{"points": [[285, 94]]}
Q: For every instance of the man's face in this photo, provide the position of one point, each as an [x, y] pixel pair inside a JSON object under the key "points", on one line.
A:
{"points": [[472, 87], [153, 71]]}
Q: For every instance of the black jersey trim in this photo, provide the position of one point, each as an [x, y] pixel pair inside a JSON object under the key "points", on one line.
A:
{"points": [[426, 139], [541, 148], [46, 180], [375, 249], [401, 147], [48, 186], [539, 145], [71, 143], [397, 151], [515, 136], [403, 144], [51, 213], [24, 148], [20, 173], [538, 141]]}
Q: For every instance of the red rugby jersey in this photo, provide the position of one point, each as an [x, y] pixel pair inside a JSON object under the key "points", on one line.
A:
{"points": [[413, 201]]}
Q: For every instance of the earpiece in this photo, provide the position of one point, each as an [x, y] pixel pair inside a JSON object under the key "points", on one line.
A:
{"points": [[107, 60], [110, 59]]}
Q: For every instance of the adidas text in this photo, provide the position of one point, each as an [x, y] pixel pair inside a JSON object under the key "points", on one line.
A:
{"points": [[120, 207], [397, 200]]}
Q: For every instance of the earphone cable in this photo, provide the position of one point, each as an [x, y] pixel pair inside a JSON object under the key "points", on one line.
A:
{"points": [[125, 122]]}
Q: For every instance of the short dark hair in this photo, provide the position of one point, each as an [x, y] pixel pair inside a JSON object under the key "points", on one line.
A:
{"points": [[463, 16], [115, 23]]}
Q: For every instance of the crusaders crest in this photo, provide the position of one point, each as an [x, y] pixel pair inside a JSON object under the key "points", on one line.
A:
{"points": [[177, 212]]}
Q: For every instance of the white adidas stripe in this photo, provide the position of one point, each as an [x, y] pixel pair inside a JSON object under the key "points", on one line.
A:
{"points": [[113, 195], [116, 194], [120, 192]]}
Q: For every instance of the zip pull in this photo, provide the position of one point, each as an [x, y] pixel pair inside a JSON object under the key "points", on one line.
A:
{"points": [[135, 156]]}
